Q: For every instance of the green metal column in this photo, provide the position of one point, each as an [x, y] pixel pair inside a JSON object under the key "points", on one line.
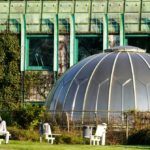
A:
{"points": [[23, 41], [76, 49], [140, 14], [122, 30], [90, 14], [8, 23], [23, 50], [25, 6], [73, 53], [105, 32], [56, 40], [41, 15]]}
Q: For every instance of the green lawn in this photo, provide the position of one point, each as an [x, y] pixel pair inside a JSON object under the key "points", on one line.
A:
{"points": [[20, 145]]}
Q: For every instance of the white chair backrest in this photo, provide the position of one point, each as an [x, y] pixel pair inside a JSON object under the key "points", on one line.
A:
{"points": [[47, 129], [3, 126], [101, 129]]}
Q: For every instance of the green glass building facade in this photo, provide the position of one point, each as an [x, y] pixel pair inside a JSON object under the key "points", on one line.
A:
{"points": [[81, 20]]}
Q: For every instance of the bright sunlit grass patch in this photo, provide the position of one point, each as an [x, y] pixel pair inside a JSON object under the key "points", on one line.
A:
{"points": [[27, 145]]}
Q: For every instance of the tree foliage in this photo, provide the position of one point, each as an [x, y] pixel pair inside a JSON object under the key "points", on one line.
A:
{"points": [[9, 71], [10, 75]]}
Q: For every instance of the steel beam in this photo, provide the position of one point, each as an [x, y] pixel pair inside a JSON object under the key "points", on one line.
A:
{"points": [[73, 53], [105, 32], [122, 30], [25, 6], [41, 15], [23, 41], [90, 14], [140, 14]]}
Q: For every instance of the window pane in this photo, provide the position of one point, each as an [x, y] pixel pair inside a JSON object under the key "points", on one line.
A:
{"points": [[41, 52], [89, 46]]}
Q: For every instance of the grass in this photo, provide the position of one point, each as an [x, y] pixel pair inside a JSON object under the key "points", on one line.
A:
{"points": [[26, 145]]}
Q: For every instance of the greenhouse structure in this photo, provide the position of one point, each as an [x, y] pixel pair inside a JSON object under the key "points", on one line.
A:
{"points": [[104, 86]]}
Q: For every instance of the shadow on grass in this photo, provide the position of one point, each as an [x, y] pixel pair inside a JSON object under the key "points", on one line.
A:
{"points": [[145, 147]]}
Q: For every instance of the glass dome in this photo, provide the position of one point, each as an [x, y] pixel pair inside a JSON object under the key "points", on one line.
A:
{"points": [[115, 81]]}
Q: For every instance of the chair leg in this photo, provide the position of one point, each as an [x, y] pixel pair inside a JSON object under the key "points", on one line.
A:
{"points": [[103, 139], [90, 142], [40, 139], [7, 138], [52, 141], [48, 140], [1, 141]]}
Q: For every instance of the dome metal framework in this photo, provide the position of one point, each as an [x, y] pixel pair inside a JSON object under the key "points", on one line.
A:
{"points": [[117, 81]]}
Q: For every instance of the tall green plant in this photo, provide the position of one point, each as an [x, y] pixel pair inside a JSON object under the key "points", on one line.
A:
{"points": [[10, 85], [28, 117], [9, 71]]}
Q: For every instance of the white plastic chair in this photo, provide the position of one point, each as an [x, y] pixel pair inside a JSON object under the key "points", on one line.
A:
{"points": [[48, 133], [3, 131], [100, 135]]}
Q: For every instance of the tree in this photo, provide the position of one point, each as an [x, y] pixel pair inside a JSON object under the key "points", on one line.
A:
{"points": [[10, 75], [9, 71]]}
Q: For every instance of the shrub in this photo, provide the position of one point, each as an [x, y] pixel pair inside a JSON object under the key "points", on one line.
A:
{"points": [[141, 137], [22, 134], [28, 117], [68, 139], [72, 137], [33, 135], [115, 137], [7, 116]]}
